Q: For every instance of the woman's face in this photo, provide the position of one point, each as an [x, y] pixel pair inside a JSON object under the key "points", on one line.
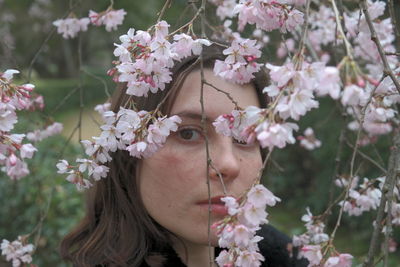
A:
{"points": [[173, 182]]}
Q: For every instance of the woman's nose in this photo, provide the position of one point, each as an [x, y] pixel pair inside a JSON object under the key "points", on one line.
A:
{"points": [[225, 162]]}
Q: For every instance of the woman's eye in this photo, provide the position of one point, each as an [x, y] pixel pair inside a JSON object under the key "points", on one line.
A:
{"points": [[189, 134]]}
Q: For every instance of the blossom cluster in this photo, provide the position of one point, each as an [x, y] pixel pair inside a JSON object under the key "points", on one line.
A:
{"points": [[308, 140], [292, 96], [12, 149], [139, 133], [362, 198], [239, 65], [265, 14], [361, 85], [237, 232], [313, 242], [367, 195], [17, 251], [70, 26], [145, 58]]}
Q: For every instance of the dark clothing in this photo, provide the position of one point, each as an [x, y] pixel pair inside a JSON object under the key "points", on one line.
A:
{"points": [[274, 247]]}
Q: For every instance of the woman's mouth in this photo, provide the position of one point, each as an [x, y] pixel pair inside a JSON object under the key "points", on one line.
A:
{"points": [[215, 205]]}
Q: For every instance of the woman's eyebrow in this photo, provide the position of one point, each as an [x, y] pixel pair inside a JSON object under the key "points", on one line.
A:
{"points": [[191, 115]]}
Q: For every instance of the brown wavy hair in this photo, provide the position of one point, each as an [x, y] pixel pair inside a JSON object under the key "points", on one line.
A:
{"points": [[117, 230]]}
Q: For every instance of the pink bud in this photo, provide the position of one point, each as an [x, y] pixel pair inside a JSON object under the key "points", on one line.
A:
{"points": [[360, 81], [13, 159], [111, 72]]}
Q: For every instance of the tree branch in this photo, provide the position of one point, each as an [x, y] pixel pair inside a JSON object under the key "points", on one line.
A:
{"points": [[387, 71], [387, 195]]}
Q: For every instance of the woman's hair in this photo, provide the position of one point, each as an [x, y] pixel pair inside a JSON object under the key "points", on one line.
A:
{"points": [[117, 230]]}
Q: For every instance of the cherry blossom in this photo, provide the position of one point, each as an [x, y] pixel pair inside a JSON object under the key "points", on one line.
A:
{"points": [[342, 260], [239, 65], [17, 251], [70, 27], [110, 18], [268, 15], [237, 232], [308, 140], [312, 253]]}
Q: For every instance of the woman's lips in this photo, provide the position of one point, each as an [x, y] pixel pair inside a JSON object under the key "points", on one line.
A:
{"points": [[217, 206]]}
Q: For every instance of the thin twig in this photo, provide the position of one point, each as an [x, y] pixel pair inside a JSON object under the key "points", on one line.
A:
{"points": [[387, 195], [167, 5], [38, 53], [337, 167], [225, 93], [62, 102], [353, 157], [392, 54], [300, 52], [48, 37], [349, 50], [81, 105], [365, 156], [387, 71], [201, 12], [106, 91], [396, 27]]}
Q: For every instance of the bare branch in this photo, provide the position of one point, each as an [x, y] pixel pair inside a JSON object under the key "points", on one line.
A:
{"points": [[387, 195], [222, 91], [396, 25], [387, 71], [167, 5]]}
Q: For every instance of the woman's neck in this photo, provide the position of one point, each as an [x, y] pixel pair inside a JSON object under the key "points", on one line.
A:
{"points": [[194, 255]]}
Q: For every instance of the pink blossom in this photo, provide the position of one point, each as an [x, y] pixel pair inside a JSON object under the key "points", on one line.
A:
{"points": [[275, 134], [16, 168], [113, 18], [8, 74], [253, 215], [17, 252], [27, 151], [353, 95], [70, 27], [50, 130], [242, 235], [8, 117], [239, 65], [260, 196], [329, 83], [342, 260], [294, 18], [312, 254], [62, 166], [231, 204], [297, 104], [308, 140], [267, 16], [110, 18], [249, 259]]}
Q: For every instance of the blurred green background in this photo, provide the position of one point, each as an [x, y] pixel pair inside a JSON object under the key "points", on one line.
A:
{"points": [[300, 177]]}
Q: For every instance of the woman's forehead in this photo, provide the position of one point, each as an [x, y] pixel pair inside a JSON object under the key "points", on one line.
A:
{"points": [[215, 103]]}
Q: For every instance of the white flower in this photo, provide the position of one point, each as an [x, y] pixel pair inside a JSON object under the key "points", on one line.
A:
{"points": [[276, 134], [260, 196], [62, 166], [8, 74], [312, 254], [231, 204], [353, 95], [8, 117], [16, 251], [27, 151]]}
